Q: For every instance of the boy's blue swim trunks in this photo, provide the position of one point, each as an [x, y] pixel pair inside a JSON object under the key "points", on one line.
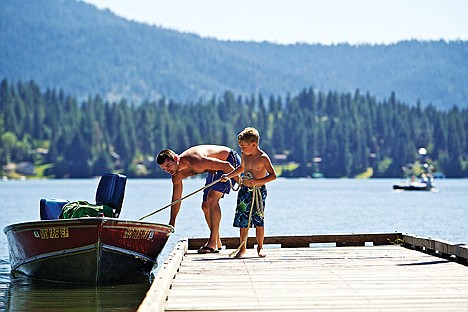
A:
{"points": [[244, 204]]}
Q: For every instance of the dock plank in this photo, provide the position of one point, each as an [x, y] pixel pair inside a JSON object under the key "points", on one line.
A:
{"points": [[364, 278]]}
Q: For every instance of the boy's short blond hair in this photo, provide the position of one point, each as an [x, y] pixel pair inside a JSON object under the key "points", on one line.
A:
{"points": [[249, 135]]}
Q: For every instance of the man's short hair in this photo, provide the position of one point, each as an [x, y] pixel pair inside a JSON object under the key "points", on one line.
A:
{"points": [[163, 155], [249, 135]]}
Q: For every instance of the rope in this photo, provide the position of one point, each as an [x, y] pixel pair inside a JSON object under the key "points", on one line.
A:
{"points": [[185, 197], [256, 202]]}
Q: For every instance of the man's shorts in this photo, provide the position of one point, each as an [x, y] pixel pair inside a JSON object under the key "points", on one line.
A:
{"points": [[223, 187]]}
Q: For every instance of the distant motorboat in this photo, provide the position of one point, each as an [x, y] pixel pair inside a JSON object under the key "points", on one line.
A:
{"points": [[424, 184], [413, 187]]}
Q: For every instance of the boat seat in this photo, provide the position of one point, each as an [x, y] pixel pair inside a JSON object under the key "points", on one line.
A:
{"points": [[110, 192]]}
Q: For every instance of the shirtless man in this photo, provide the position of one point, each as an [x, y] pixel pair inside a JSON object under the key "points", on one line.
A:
{"points": [[213, 159]]}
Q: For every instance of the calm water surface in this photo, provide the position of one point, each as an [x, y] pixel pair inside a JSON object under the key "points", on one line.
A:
{"points": [[295, 206]]}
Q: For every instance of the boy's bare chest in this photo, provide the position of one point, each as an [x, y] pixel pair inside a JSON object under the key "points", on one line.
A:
{"points": [[253, 165]]}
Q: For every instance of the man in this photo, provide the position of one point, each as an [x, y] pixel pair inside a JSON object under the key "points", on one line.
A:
{"points": [[215, 160]]}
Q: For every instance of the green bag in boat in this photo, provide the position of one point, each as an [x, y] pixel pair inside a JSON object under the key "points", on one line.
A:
{"points": [[78, 209]]}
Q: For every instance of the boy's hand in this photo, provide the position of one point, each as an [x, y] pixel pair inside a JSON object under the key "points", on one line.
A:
{"points": [[248, 182], [224, 178]]}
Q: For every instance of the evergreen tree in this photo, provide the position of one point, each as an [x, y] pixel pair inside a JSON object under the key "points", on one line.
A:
{"points": [[348, 132]]}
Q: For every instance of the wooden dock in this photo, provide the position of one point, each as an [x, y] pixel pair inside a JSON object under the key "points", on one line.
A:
{"points": [[375, 272]]}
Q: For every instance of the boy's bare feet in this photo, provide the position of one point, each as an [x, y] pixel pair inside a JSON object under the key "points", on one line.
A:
{"points": [[260, 252], [240, 254]]}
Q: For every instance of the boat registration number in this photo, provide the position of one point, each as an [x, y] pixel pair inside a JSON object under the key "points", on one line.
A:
{"points": [[61, 232], [138, 234]]}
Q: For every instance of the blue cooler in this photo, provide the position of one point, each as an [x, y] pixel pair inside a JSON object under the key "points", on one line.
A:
{"points": [[51, 208]]}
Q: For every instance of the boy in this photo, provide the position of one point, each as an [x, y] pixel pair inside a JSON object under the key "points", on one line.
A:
{"points": [[258, 170]]}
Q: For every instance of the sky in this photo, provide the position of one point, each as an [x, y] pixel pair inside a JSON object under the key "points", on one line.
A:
{"points": [[303, 21]]}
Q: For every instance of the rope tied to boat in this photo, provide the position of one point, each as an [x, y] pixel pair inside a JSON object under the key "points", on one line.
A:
{"points": [[187, 196], [257, 203]]}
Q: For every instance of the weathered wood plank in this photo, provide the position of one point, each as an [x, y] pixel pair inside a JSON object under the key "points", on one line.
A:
{"points": [[306, 240], [444, 248]]}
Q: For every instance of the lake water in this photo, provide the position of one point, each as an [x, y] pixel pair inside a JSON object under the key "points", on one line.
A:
{"points": [[294, 206]]}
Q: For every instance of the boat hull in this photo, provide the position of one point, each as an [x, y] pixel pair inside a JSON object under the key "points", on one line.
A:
{"points": [[412, 188], [86, 250]]}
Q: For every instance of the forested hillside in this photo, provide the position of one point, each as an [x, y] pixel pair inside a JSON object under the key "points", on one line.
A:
{"points": [[337, 134], [73, 46]]}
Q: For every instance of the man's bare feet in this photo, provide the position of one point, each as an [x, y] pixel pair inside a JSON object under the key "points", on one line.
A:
{"points": [[219, 244], [240, 254], [260, 252]]}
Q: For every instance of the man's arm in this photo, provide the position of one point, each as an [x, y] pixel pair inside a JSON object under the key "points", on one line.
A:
{"points": [[233, 174], [177, 188]]}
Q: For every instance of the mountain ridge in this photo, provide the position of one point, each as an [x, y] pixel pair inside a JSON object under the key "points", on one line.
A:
{"points": [[85, 51]]}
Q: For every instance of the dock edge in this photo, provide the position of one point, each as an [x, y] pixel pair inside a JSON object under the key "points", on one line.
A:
{"points": [[157, 294]]}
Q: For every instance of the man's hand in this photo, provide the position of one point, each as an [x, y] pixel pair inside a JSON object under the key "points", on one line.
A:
{"points": [[224, 178]]}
